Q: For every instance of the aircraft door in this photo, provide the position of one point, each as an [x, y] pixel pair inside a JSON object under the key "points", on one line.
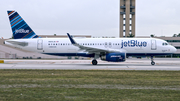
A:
{"points": [[39, 44], [153, 45]]}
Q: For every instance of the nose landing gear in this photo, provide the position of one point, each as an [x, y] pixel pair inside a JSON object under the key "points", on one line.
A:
{"points": [[152, 61]]}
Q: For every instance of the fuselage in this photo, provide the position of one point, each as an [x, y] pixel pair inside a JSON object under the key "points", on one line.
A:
{"points": [[63, 46]]}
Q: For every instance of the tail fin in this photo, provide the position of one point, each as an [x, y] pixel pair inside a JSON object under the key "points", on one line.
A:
{"points": [[20, 28]]}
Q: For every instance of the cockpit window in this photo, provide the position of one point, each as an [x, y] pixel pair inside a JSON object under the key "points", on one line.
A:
{"points": [[165, 44]]}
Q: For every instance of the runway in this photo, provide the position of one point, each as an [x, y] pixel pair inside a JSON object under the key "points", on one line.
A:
{"points": [[130, 64]]}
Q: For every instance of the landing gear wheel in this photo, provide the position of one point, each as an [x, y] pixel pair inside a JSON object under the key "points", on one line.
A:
{"points": [[152, 63], [94, 62]]}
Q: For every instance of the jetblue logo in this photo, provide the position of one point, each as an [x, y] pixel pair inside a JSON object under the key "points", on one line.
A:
{"points": [[116, 56], [21, 31], [133, 43]]}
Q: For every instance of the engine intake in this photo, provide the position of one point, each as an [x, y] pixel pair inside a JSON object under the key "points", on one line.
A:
{"points": [[114, 57]]}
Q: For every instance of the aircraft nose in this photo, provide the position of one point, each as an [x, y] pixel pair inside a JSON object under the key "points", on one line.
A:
{"points": [[174, 50]]}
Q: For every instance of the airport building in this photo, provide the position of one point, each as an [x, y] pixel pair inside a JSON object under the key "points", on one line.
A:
{"points": [[127, 17]]}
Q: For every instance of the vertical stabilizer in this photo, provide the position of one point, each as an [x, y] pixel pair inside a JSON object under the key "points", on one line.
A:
{"points": [[20, 28]]}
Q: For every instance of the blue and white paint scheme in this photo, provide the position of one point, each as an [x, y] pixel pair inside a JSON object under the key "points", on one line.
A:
{"points": [[20, 28], [107, 49]]}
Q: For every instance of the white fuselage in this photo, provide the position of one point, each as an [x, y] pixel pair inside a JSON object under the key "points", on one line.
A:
{"points": [[63, 46]]}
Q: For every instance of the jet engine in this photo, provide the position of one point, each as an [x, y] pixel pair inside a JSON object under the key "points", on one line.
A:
{"points": [[114, 57]]}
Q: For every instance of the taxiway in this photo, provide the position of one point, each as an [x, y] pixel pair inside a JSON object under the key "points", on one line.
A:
{"points": [[130, 64]]}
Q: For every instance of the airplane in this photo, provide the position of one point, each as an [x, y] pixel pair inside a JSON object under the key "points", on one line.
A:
{"points": [[107, 49]]}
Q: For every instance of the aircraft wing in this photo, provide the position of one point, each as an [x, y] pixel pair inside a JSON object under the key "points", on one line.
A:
{"points": [[94, 49]]}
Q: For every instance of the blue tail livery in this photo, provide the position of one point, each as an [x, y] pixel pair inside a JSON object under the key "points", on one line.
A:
{"points": [[20, 28]]}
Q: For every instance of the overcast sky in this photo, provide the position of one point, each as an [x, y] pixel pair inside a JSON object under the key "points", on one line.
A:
{"points": [[91, 17]]}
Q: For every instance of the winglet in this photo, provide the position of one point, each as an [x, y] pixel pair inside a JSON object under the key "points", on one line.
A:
{"points": [[71, 39]]}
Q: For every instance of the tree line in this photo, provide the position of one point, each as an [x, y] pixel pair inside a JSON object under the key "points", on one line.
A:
{"points": [[176, 35]]}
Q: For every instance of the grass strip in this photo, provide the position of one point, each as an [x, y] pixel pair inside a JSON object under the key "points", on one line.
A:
{"points": [[88, 85]]}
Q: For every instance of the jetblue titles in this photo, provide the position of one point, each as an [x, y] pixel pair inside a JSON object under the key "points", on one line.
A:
{"points": [[133, 43], [21, 31]]}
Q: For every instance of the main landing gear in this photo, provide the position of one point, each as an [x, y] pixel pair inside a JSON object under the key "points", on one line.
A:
{"points": [[152, 61], [94, 62]]}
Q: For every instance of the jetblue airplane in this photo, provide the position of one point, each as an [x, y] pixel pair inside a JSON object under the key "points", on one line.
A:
{"points": [[107, 49]]}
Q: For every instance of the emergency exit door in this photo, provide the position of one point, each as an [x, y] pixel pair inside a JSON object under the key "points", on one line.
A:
{"points": [[40, 44], [107, 45]]}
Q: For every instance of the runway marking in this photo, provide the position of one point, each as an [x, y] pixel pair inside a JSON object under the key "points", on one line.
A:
{"points": [[115, 69], [13, 66]]}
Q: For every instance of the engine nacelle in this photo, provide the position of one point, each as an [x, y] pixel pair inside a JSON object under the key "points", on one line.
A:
{"points": [[114, 57]]}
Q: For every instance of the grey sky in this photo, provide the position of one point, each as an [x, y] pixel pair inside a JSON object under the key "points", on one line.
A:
{"points": [[91, 17]]}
